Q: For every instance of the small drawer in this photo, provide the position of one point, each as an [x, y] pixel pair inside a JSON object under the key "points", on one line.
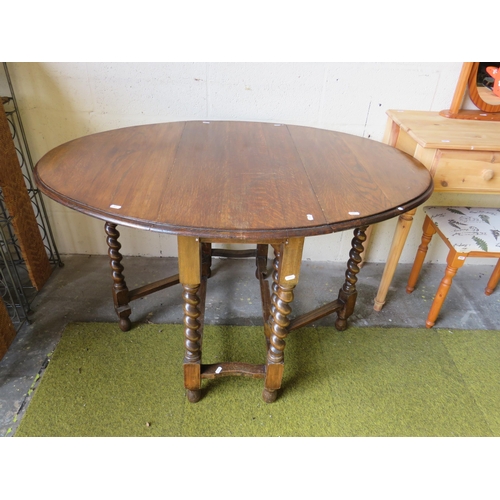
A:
{"points": [[471, 171]]}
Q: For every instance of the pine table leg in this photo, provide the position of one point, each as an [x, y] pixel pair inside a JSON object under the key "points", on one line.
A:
{"points": [[398, 242]]}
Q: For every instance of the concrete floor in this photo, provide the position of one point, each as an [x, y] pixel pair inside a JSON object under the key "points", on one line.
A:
{"points": [[81, 291]]}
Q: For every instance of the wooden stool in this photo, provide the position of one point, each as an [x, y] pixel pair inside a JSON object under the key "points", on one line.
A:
{"points": [[468, 232]]}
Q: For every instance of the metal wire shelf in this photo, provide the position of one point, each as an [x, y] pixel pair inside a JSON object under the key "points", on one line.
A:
{"points": [[16, 289]]}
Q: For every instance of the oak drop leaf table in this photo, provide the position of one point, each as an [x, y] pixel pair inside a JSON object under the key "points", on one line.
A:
{"points": [[234, 182]]}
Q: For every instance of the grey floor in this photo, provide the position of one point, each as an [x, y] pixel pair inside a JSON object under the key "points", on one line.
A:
{"points": [[81, 291]]}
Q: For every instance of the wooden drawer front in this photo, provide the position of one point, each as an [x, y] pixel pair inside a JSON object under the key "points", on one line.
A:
{"points": [[472, 171]]}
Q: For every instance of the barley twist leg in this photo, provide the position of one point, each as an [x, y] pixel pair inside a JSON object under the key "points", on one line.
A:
{"points": [[120, 290], [348, 292], [280, 310], [192, 342]]}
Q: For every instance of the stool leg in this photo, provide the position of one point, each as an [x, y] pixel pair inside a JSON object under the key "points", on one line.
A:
{"points": [[428, 232], [493, 281], [455, 260]]}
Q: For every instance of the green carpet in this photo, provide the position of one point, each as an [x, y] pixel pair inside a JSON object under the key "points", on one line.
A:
{"points": [[361, 382]]}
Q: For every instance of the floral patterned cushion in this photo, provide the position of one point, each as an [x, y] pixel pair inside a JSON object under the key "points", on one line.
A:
{"points": [[468, 229]]}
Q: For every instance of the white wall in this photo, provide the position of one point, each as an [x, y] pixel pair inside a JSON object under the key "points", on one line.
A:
{"points": [[63, 101]]}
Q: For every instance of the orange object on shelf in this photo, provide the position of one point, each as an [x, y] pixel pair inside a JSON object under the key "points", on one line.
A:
{"points": [[494, 73]]}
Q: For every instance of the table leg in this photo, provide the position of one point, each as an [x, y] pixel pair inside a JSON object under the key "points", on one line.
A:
{"points": [[368, 233], [262, 251], [189, 251], [120, 290], [288, 257], [348, 292], [398, 242], [206, 259]]}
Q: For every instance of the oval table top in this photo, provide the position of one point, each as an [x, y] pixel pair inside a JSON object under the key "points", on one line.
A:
{"points": [[233, 180]]}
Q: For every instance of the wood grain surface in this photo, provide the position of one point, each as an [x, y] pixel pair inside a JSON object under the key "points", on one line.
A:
{"points": [[234, 180], [18, 203], [430, 130], [7, 330]]}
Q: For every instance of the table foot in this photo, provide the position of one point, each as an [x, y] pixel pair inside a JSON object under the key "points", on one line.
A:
{"points": [[193, 396], [269, 396], [125, 324], [341, 324]]}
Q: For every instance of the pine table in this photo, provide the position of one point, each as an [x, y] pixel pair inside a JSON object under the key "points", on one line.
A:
{"points": [[463, 156]]}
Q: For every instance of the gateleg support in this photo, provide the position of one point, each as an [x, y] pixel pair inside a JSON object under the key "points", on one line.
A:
{"points": [[288, 258], [190, 260]]}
